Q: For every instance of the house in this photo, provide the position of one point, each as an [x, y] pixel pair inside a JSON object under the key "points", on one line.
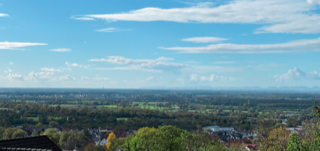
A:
{"points": [[59, 129], [39, 143], [103, 142]]}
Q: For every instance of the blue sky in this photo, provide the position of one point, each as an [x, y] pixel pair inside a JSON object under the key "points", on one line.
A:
{"points": [[159, 43]]}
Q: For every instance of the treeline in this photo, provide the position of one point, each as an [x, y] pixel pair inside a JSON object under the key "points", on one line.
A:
{"points": [[85, 117]]}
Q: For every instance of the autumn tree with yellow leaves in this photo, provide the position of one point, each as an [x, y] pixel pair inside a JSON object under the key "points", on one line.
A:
{"points": [[111, 135], [277, 140]]}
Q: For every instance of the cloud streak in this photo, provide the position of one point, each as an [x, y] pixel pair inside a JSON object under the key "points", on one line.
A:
{"points": [[61, 50], [76, 65], [109, 30], [204, 39], [4, 15], [16, 45], [278, 16], [157, 65], [309, 45]]}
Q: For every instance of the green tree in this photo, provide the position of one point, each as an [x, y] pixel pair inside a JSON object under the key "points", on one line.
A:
{"points": [[52, 134], [295, 144], [19, 133], [7, 134], [35, 133], [2, 129], [53, 123], [39, 124]]}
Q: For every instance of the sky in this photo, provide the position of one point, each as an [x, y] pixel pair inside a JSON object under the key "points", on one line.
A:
{"points": [[159, 43]]}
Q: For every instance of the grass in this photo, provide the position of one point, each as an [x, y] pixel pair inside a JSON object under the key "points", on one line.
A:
{"points": [[56, 118], [33, 118], [122, 118], [113, 106]]}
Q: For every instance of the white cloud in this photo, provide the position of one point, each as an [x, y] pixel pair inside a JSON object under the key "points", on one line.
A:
{"points": [[95, 78], [156, 65], [13, 76], [32, 76], [16, 45], [204, 39], [279, 16], [8, 71], [150, 78], [212, 77], [51, 70], [293, 46], [67, 78], [193, 77], [11, 63], [76, 65], [111, 30], [313, 75], [3, 15], [297, 74], [314, 2], [61, 50]]}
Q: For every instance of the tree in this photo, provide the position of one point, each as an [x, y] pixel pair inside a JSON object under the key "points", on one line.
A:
{"points": [[295, 144], [119, 129], [53, 123], [276, 141], [8, 133], [19, 133], [39, 124], [35, 133], [52, 134], [2, 129], [111, 135]]}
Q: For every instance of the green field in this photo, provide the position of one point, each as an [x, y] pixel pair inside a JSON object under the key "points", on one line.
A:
{"points": [[113, 106], [33, 118], [122, 118], [56, 118]]}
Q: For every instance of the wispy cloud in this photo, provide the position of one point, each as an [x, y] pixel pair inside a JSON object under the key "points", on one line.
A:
{"points": [[278, 16], [310, 45], [156, 65], [204, 39], [314, 2], [76, 65], [61, 50], [51, 69], [108, 30], [11, 63], [3, 15], [212, 77], [16, 45], [8, 71]]}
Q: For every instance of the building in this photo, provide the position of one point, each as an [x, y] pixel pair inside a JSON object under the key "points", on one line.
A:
{"points": [[37, 143], [218, 129]]}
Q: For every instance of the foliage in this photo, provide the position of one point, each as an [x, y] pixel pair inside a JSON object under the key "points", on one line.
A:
{"points": [[39, 124], [92, 147], [277, 140], [19, 133], [53, 123], [7, 134], [52, 134], [111, 136], [295, 144], [2, 129], [35, 133]]}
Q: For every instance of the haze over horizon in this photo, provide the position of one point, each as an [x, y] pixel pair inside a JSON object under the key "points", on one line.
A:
{"points": [[160, 43]]}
